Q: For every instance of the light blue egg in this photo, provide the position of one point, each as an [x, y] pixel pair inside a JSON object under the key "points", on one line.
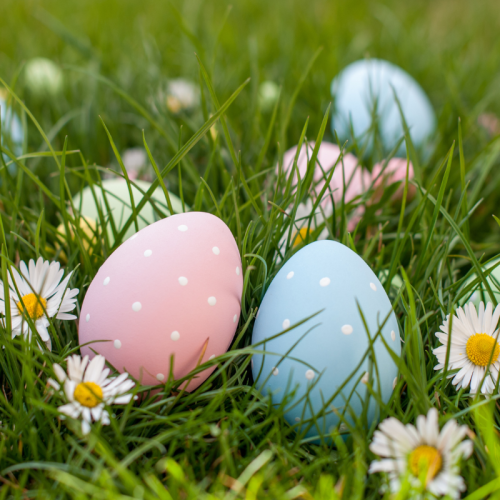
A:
{"points": [[367, 85], [12, 131], [316, 358]]}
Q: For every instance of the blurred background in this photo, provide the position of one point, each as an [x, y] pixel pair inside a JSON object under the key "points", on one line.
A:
{"points": [[450, 47]]}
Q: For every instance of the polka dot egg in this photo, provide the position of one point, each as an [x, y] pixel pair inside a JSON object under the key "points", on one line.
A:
{"points": [[173, 289], [325, 364]]}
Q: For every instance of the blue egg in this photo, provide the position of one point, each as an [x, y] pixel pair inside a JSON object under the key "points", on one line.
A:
{"points": [[322, 365], [12, 132], [367, 85]]}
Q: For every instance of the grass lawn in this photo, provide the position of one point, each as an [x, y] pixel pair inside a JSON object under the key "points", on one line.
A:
{"points": [[225, 440]]}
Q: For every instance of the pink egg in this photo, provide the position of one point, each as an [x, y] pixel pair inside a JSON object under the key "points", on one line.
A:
{"points": [[357, 179], [395, 171], [174, 288]]}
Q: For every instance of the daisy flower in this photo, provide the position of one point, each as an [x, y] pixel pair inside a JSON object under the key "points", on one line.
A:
{"points": [[38, 293], [474, 342], [88, 389], [427, 458], [182, 95], [301, 228]]}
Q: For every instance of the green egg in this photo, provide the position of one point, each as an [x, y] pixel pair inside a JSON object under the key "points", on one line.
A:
{"points": [[120, 209], [480, 293], [396, 282]]}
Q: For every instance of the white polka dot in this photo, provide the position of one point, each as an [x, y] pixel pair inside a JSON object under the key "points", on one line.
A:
{"points": [[286, 324], [87, 318], [175, 336], [183, 281], [393, 335], [160, 377], [275, 371], [297, 419], [347, 329], [394, 382], [474, 296], [216, 250], [118, 344], [324, 281], [373, 287], [212, 301], [238, 271], [343, 428], [365, 378], [136, 306], [211, 357], [182, 228], [134, 237], [235, 318], [106, 281], [309, 374], [148, 253], [289, 276]]}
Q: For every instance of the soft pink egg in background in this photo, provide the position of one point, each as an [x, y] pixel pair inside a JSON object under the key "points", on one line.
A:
{"points": [[168, 290], [348, 171], [394, 171], [357, 178]]}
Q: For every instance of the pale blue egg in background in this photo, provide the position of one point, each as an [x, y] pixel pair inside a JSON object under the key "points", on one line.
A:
{"points": [[12, 132], [328, 276], [367, 85]]}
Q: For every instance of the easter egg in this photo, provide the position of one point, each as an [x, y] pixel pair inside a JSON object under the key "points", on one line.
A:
{"points": [[320, 367], [12, 131], [366, 88], [394, 170], [88, 232], [43, 77], [349, 180], [396, 282], [480, 293], [173, 289], [120, 208]]}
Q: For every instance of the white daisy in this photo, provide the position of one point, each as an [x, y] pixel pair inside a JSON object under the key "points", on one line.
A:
{"points": [[474, 341], [38, 293], [300, 228], [88, 390], [427, 458], [182, 95]]}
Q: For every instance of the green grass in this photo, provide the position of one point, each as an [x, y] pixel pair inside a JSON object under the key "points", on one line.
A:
{"points": [[224, 440]]}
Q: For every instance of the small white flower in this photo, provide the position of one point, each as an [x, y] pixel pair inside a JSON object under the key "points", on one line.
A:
{"points": [[474, 340], [422, 453], [88, 389], [300, 229], [134, 159], [181, 95], [42, 295], [269, 92], [43, 77]]}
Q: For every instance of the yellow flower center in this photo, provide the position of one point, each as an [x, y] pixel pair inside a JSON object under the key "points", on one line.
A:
{"points": [[300, 236], [425, 460], [173, 104], [33, 305], [480, 348], [88, 394]]}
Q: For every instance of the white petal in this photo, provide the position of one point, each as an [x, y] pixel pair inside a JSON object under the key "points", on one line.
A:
{"points": [[94, 369]]}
